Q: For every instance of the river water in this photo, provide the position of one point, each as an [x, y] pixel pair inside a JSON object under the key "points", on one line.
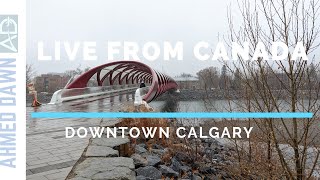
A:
{"points": [[119, 102]]}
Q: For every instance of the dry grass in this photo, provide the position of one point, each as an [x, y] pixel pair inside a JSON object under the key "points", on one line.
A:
{"points": [[254, 162], [145, 122], [256, 157], [173, 143]]}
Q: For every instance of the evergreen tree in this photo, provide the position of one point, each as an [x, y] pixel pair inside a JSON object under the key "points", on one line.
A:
{"points": [[223, 77]]}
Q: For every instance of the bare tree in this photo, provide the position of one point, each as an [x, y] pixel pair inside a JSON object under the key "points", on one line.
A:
{"points": [[293, 145], [77, 71], [209, 78], [30, 73]]}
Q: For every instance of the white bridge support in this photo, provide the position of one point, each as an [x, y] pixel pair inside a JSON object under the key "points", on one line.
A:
{"points": [[64, 95]]}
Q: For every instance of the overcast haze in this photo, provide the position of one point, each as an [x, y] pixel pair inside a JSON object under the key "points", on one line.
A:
{"points": [[125, 20]]}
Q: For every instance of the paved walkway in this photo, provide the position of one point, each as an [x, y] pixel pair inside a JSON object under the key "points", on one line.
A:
{"points": [[50, 155]]}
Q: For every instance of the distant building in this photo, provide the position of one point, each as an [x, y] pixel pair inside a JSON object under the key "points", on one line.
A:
{"points": [[50, 82], [187, 82]]}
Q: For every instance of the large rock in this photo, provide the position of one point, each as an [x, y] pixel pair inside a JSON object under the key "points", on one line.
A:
{"points": [[218, 158], [207, 170], [185, 169], [141, 178], [153, 160], [183, 157], [138, 160], [101, 151], [216, 144], [142, 145], [175, 164], [79, 178], [195, 177], [158, 151], [100, 168], [149, 172], [168, 172], [140, 150], [157, 146], [110, 142]]}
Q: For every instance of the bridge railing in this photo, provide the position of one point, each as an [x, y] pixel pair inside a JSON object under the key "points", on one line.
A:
{"points": [[63, 95]]}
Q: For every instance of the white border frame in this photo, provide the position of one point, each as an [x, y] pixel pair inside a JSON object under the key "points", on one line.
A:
{"points": [[17, 7]]}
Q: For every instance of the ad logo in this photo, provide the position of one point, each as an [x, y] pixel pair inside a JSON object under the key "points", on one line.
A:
{"points": [[8, 33]]}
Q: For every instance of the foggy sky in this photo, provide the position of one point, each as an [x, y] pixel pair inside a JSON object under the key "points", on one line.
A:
{"points": [[125, 20]]}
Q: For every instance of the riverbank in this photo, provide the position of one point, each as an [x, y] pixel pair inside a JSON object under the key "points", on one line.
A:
{"points": [[220, 94], [174, 157], [258, 128]]}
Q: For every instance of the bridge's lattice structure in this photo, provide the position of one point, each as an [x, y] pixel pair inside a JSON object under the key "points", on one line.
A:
{"points": [[126, 73]]}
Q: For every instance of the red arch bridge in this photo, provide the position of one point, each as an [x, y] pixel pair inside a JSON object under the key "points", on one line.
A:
{"points": [[115, 77]]}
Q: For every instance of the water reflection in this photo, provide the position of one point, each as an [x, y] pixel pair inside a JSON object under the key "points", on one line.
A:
{"points": [[127, 97], [107, 103], [113, 103], [170, 105], [120, 98]]}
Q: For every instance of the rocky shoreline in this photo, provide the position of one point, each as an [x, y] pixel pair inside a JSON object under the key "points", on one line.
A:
{"points": [[212, 157], [148, 159]]}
